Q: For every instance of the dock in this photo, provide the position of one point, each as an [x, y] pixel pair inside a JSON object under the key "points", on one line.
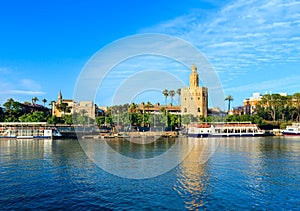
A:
{"points": [[153, 134]]}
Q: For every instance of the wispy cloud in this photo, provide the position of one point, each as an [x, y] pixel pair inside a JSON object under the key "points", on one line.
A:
{"points": [[4, 70], [249, 31], [22, 92], [284, 84], [243, 37], [11, 85]]}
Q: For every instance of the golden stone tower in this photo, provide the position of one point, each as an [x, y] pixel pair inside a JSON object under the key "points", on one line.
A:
{"points": [[194, 99]]}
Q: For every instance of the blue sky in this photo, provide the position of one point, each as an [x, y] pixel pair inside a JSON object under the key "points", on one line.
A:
{"points": [[253, 45]]}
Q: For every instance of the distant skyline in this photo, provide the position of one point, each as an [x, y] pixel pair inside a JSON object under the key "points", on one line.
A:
{"points": [[254, 46]]}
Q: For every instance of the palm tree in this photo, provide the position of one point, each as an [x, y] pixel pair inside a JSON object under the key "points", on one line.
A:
{"points": [[132, 107], [166, 94], [229, 98], [148, 105], [44, 101], [179, 93], [172, 94], [34, 100]]}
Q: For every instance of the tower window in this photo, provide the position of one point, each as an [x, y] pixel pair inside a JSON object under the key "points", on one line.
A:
{"points": [[198, 98], [191, 98], [199, 109], [185, 110]]}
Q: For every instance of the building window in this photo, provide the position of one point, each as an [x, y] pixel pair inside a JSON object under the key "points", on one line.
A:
{"points": [[198, 98], [191, 98], [199, 109], [185, 110], [185, 98]]}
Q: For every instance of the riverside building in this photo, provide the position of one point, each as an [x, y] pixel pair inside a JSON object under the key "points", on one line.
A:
{"points": [[68, 107]]}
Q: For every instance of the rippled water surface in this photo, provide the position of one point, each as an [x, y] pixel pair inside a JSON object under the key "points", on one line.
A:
{"points": [[243, 173]]}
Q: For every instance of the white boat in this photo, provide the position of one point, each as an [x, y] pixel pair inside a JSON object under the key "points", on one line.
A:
{"points": [[292, 130], [224, 129], [28, 130]]}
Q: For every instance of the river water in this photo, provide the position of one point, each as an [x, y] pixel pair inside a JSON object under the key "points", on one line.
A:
{"points": [[240, 173]]}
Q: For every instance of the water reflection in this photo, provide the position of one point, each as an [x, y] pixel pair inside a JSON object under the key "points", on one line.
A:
{"points": [[25, 149], [137, 161], [229, 173], [192, 177], [249, 170], [141, 149]]}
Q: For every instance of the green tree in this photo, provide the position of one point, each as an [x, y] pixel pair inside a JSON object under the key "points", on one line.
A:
{"points": [[53, 120], [125, 118], [296, 105], [187, 119], [100, 120], [285, 107], [63, 107], [133, 107], [214, 119], [243, 118], [12, 110], [1, 114], [108, 119], [271, 104], [68, 119], [9, 104], [161, 120], [174, 120], [37, 116]]}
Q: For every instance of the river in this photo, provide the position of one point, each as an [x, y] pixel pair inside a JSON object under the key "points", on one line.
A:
{"points": [[260, 173]]}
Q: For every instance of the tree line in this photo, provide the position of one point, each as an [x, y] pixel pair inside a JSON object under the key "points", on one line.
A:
{"points": [[14, 111], [275, 107], [272, 109]]}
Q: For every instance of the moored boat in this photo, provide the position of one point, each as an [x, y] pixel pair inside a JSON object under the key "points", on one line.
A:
{"points": [[292, 130], [28, 130], [224, 129]]}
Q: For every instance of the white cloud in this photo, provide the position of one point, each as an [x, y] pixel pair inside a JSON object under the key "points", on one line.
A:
{"points": [[284, 84], [242, 37], [11, 85], [22, 92], [30, 84]]}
